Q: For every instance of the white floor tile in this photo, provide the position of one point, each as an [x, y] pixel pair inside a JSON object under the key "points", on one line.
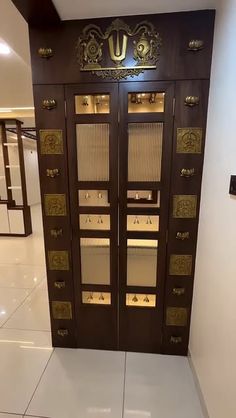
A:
{"points": [[10, 300], [21, 276], [10, 416], [81, 384], [23, 358], [159, 387], [33, 314]]}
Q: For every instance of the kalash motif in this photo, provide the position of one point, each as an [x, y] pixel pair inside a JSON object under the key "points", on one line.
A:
{"points": [[93, 43]]}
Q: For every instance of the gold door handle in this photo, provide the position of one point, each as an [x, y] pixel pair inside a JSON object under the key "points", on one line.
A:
{"points": [[49, 104], [57, 232], [175, 340], [62, 332], [52, 173], [182, 235], [60, 284], [191, 101], [178, 291], [187, 172], [195, 45], [45, 52]]}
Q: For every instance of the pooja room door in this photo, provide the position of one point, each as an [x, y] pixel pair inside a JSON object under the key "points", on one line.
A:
{"points": [[119, 138]]}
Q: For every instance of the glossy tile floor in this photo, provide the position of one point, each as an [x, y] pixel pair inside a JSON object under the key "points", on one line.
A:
{"points": [[39, 381]]}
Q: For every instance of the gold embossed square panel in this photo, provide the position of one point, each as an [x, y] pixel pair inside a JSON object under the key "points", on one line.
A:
{"points": [[189, 141], [55, 204], [176, 317], [51, 141], [180, 265], [58, 260], [185, 206], [61, 310]]}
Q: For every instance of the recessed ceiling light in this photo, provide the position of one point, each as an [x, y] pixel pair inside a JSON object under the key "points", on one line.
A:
{"points": [[4, 49]]}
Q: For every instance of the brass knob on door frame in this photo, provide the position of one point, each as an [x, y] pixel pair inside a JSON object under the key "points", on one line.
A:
{"points": [[56, 232], [53, 172], [62, 332], [60, 284], [191, 101], [195, 45], [175, 340], [187, 172], [182, 235], [45, 52], [178, 291], [49, 104]]}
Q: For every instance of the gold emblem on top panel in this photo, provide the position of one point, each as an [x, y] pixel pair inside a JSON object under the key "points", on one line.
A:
{"points": [[180, 265], [61, 310], [177, 317], [189, 140], [51, 141], [58, 260], [184, 206], [55, 204]]}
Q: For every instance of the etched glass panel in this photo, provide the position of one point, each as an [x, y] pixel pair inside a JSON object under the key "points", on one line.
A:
{"points": [[94, 198], [143, 223], [92, 104], [146, 102], [142, 262], [94, 222], [95, 260], [93, 152], [96, 298], [145, 151], [140, 300]]}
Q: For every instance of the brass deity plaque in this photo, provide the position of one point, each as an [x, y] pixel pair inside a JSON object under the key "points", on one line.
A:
{"points": [[104, 53], [58, 260], [180, 265], [185, 206], [189, 141], [61, 310], [177, 317], [51, 141], [55, 204]]}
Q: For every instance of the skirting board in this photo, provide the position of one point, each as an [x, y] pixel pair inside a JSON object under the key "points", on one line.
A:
{"points": [[198, 387]]}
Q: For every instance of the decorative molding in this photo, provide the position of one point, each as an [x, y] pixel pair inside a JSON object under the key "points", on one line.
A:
{"points": [[58, 260], [117, 39], [189, 140], [52, 172], [176, 317], [180, 265], [51, 141], [56, 232], [61, 310], [185, 206], [55, 204]]}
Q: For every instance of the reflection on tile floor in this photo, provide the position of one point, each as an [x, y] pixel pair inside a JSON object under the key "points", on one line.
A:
{"points": [[62, 383]]}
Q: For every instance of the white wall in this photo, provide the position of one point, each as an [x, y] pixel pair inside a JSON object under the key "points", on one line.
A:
{"points": [[31, 172], [213, 329]]}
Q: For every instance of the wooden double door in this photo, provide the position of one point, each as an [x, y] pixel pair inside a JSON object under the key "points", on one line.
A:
{"points": [[119, 138]]}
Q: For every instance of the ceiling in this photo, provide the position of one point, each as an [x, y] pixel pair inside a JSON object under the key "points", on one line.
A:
{"points": [[81, 9], [15, 70]]}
